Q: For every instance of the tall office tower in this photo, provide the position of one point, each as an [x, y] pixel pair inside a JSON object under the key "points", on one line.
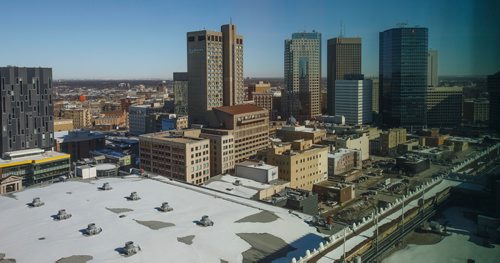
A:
{"points": [[403, 76], [444, 106], [375, 95], [494, 91], [353, 100], [344, 58], [432, 68], [181, 84], [27, 109], [302, 76], [215, 72]]}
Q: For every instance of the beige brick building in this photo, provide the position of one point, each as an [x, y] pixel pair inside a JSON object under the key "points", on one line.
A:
{"points": [[81, 117], [290, 133], [181, 156], [221, 153], [247, 123], [63, 124], [300, 162]]}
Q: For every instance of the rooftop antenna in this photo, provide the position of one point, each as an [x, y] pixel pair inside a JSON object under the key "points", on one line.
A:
{"points": [[340, 34]]}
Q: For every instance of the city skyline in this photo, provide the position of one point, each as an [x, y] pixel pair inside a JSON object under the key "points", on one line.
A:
{"points": [[132, 40]]}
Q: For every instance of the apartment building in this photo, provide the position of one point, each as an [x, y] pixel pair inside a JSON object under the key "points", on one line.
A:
{"points": [[81, 117]]}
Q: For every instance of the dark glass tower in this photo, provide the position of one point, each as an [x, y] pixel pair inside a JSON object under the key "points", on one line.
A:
{"points": [[403, 77], [344, 62], [26, 108], [494, 91]]}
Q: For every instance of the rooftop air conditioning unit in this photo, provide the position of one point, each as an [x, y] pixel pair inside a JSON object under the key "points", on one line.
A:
{"points": [[36, 202]]}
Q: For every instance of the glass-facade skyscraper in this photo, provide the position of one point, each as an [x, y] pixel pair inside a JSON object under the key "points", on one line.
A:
{"points": [[301, 97], [403, 76], [343, 62]]}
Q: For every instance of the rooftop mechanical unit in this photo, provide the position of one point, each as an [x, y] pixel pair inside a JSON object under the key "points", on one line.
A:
{"points": [[205, 221], [131, 249], [62, 215], [134, 196], [105, 187], [92, 229], [165, 207], [36, 202]]}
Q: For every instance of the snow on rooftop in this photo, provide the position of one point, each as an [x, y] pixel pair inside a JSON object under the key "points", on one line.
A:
{"points": [[458, 247], [31, 235], [246, 188]]}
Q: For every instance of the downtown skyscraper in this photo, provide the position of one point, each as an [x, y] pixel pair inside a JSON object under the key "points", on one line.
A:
{"points": [[301, 97], [215, 71], [26, 108], [343, 62], [403, 76]]}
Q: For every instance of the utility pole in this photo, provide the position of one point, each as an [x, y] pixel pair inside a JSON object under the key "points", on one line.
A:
{"points": [[343, 260]]}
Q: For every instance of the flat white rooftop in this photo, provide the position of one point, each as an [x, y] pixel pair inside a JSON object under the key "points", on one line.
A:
{"points": [[256, 165], [242, 228], [35, 157]]}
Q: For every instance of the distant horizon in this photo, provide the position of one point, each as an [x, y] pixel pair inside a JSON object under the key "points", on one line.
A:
{"points": [[129, 39], [322, 77]]}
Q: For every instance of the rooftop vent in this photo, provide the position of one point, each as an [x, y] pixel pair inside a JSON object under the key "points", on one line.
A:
{"points": [[105, 187], [205, 221], [133, 196], [92, 229], [36, 202], [131, 249], [165, 207], [62, 215], [237, 182]]}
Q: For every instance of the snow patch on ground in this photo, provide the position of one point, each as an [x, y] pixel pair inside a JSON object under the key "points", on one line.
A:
{"points": [[460, 246]]}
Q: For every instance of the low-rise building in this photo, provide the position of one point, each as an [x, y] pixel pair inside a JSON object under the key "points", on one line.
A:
{"points": [[344, 160], [412, 164], [300, 162], [181, 157], [81, 117], [389, 140], [292, 132], [355, 142], [111, 120], [459, 144], [246, 188], [431, 153], [34, 165], [79, 143], [10, 183], [63, 125], [123, 160], [86, 171], [297, 199], [257, 171], [334, 191]]}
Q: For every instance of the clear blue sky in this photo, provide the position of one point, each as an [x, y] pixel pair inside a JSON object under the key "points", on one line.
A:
{"points": [[146, 39]]}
